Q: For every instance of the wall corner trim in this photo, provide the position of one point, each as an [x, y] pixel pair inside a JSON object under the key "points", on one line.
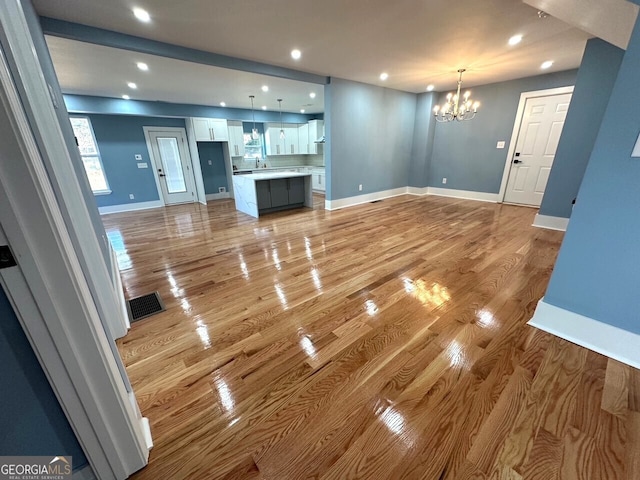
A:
{"points": [[600, 337], [465, 194], [551, 223], [130, 207], [418, 190]]}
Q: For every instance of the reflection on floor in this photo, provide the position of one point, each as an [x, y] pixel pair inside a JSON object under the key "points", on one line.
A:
{"points": [[387, 340]]}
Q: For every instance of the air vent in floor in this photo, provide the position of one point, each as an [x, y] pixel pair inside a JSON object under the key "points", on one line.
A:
{"points": [[144, 306]]}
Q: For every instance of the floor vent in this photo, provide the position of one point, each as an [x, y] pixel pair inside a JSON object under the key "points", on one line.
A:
{"points": [[144, 306]]}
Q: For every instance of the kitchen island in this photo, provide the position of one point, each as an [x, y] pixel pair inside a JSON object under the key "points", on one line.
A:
{"points": [[259, 193]]}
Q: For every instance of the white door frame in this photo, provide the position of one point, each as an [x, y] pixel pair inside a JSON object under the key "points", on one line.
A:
{"points": [[196, 169], [48, 288], [524, 96]]}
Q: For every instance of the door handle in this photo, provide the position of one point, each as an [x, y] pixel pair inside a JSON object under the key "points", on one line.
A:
{"points": [[161, 175], [517, 161]]}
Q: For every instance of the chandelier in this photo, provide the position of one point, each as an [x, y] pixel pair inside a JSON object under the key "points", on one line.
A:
{"points": [[457, 108]]}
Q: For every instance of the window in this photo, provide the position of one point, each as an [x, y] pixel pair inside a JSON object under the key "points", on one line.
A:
{"points": [[253, 148], [90, 154]]}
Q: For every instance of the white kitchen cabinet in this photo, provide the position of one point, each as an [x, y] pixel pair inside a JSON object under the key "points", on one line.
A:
{"points": [[275, 145], [316, 131], [318, 179], [236, 138], [303, 138], [210, 129], [291, 139], [278, 146]]}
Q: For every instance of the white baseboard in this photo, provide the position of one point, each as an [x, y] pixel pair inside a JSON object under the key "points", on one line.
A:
{"points": [[465, 194], [600, 337], [130, 207], [366, 198], [551, 223], [418, 190], [217, 196], [85, 473], [146, 429]]}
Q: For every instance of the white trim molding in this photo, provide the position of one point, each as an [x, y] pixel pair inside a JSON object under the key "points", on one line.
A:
{"points": [[217, 196], [464, 194], [524, 96], [417, 191], [600, 337], [366, 198], [551, 223], [130, 207]]}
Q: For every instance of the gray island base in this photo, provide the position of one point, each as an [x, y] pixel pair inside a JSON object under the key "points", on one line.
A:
{"points": [[259, 193]]}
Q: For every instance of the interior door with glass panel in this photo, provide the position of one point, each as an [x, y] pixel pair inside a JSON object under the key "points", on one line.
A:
{"points": [[173, 165]]}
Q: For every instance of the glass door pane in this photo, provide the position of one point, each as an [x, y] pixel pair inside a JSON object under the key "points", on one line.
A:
{"points": [[172, 166]]}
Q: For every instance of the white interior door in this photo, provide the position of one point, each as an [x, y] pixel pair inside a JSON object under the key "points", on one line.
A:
{"points": [[173, 165], [538, 138]]}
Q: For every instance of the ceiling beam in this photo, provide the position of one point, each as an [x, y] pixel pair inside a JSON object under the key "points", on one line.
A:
{"points": [[108, 38], [610, 20]]}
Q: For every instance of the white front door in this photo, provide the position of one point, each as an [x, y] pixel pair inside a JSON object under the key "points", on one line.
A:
{"points": [[173, 165], [538, 138]]}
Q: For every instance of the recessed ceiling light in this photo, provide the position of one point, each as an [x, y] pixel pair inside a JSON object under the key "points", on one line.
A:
{"points": [[143, 66], [132, 85], [546, 64], [302, 110], [296, 54], [265, 88], [312, 94], [222, 104], [516, 39], [384, 76], [142, 15], [430, 88], [126, 97], [264, 107]]}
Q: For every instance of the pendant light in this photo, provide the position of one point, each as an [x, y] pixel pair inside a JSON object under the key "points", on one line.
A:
{"points": [[281, 126], [254, 133]]}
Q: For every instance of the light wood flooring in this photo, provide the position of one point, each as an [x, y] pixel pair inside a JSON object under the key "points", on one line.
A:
{"points": [[383, 341]]}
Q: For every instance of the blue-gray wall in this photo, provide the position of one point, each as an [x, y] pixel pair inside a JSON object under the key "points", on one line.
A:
{"points": [[465, 152], [31, 420], [120, 138], [118, 106], [596, 77], [422, 147], [214, 175], [597, 272], [371, 137]]}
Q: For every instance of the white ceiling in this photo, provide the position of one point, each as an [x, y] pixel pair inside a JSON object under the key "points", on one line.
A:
{"points": [[87, 69], [416, 42]]}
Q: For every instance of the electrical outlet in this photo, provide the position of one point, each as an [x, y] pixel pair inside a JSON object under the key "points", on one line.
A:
{"points": [[444, 180], [360, 187], [500, 144], [131, 196], [210, 162], [138, 156]]}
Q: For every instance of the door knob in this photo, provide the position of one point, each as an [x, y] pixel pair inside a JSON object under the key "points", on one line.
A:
{"points": [[517, 161], [161, 175]]}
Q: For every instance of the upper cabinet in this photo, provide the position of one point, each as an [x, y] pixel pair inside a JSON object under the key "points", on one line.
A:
{"points": [[303, 138], [210, 129], [236, 138], [316, 132]]}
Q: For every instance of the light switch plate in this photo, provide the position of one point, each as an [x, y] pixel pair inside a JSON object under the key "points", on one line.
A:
{"points": [[138, 156], [500, 144], [143, 165], [636, 149]]}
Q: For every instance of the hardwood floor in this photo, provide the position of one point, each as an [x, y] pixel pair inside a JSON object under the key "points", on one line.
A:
{"points": [[383, 341]]}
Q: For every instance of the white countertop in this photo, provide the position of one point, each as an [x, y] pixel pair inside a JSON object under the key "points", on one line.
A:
{"points": [[272, 175], [271, 169]]}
